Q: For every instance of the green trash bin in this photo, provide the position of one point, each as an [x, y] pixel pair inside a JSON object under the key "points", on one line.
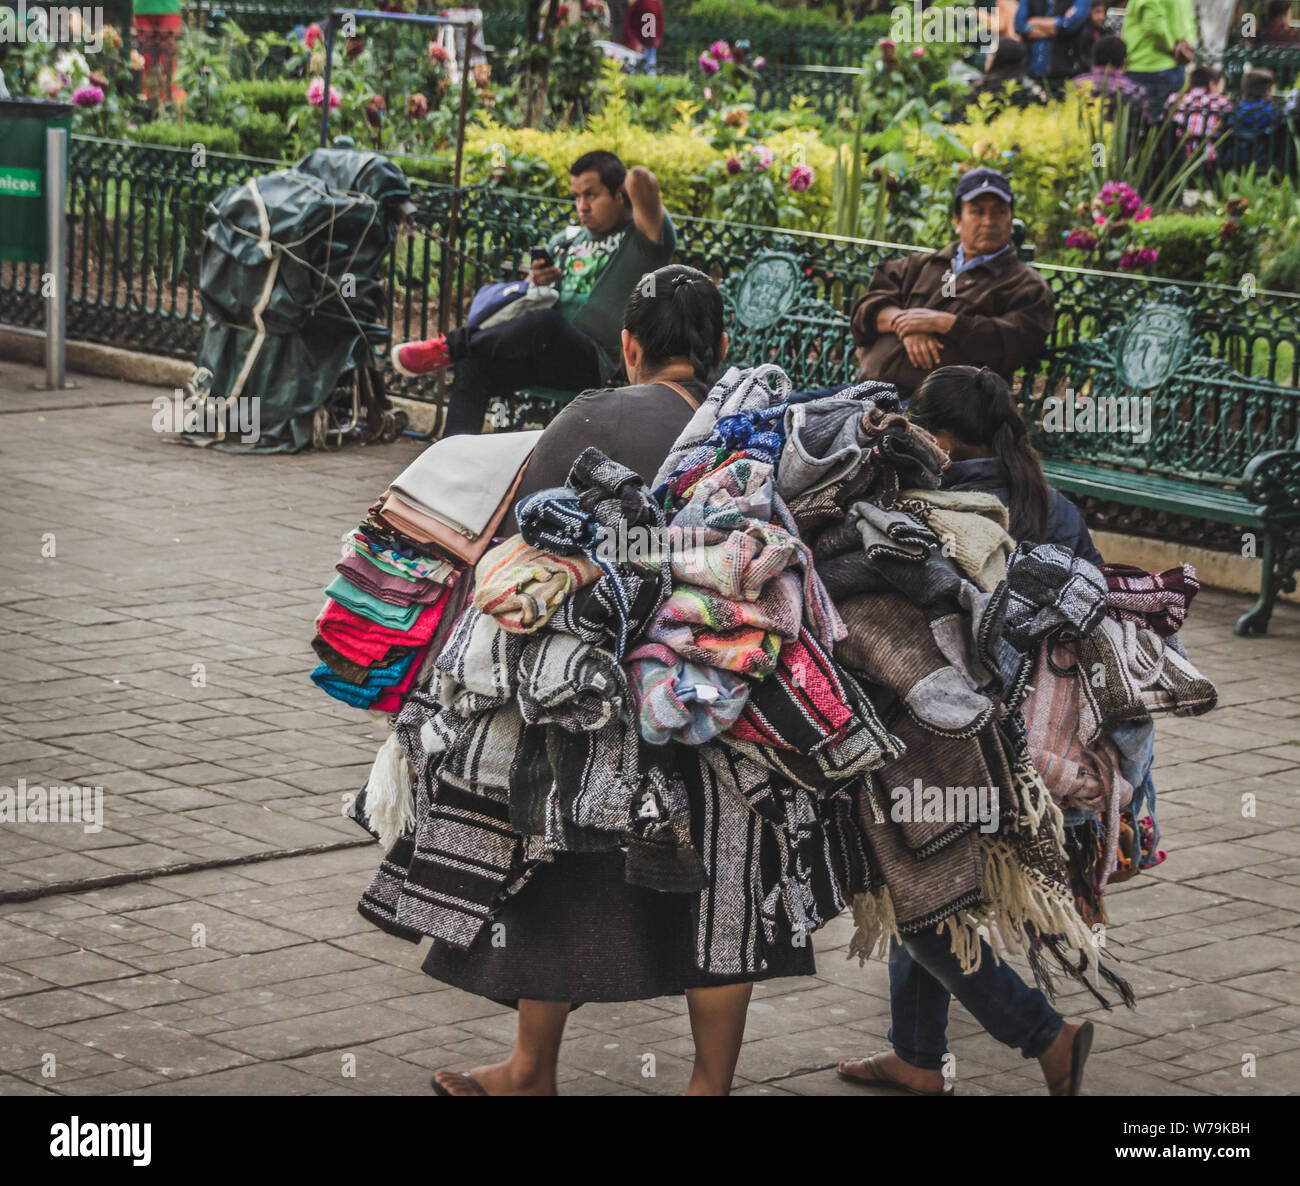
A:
{"points": [[23, 123]]}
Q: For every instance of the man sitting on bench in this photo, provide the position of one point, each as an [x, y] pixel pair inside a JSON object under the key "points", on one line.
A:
{"points": [[972, 303], [576, 345]]}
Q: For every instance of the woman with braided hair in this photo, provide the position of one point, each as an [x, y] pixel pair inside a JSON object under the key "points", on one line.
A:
{"points": [[577, 931]]}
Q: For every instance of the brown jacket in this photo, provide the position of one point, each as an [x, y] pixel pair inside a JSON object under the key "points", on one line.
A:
{"points": [[1003, 306]]}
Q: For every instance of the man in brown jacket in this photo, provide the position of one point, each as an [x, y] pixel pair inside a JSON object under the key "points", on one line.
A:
{"points": [[973, 302]]}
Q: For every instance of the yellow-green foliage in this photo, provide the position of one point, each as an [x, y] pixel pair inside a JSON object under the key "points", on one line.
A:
{"points": [[1050, 148], [679, 158]]}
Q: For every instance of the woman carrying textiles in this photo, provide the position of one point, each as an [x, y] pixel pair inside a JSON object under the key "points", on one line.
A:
{"points": [[592, 919], [971, 414]]}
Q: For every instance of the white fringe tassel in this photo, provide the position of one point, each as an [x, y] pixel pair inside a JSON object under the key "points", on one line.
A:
{"points": [[390, 802]]}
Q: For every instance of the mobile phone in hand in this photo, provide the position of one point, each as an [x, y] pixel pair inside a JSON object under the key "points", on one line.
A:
{"points": [[540, 256]]}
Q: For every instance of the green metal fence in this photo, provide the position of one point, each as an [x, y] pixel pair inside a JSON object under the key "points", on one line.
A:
{"points": [[136, 221]]}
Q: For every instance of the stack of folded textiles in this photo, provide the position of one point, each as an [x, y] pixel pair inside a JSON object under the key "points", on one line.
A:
{"points": [[399, 572]]}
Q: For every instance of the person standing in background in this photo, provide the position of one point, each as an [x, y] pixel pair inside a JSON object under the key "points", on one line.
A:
{"points": [[1275, 27], [1160, 35], [643, 30], [157, 29], [1051, 30]]}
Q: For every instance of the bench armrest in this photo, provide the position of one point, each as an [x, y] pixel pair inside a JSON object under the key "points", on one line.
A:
{"points": [[1272, 481]]}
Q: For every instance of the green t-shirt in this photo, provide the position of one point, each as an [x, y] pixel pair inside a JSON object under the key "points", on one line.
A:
{"points": [[156, 7], [598, 275]]}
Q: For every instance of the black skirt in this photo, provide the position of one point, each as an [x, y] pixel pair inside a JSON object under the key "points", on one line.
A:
{"points": [[578, 932]]}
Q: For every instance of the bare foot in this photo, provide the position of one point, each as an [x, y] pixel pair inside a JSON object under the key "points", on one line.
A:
{"points": [[1057, 1061], [917, 1078], [501, 1079]]}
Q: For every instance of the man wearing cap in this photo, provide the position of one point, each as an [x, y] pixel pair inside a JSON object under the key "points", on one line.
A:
{"points": [[973, 302]]}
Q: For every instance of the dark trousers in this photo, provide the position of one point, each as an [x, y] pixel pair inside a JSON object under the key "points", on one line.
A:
{"points": [[924, 976], [534, 349]]}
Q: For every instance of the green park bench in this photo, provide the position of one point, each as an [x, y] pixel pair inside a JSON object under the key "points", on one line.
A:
{"points": [[1218, 445]]}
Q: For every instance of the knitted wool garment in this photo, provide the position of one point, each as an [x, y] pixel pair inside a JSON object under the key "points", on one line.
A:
{"points": [[890, 642], [800, 706], [742, 636], [972, 527], [1138, 674], [366, 642], [366, 605], [478, 667], [681, 701], [1050, 588], [360, 569], [1156, 600], [521, 587], [569, 683]]}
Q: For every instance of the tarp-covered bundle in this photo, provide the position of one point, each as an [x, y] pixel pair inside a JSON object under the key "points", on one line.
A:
{"points": [[291, 282]]}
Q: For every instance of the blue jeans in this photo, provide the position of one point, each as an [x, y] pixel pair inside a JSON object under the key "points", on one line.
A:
{"points": [[1159, 85], [924, 976]]}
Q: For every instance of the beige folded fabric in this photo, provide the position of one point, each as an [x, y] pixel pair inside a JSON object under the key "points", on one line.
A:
{"points": [[423, 529], [972, 526]]}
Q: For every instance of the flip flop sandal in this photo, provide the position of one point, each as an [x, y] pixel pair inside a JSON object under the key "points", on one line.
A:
{"points": [[1079, 1055], [1079, 1051], [882, 1079], [474, 1083]]}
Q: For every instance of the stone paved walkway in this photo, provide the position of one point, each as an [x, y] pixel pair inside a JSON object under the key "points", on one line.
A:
{"points": [[248, 969]]}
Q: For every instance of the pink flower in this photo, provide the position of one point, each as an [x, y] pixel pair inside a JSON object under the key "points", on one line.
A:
{"points": [[759, 63], [733, 165], [801, 178], [708, 94], [918, 51], [721, 50], [313, 36], [708, 63], [1119, 198], [762, 158], [88, 95], [316, 93], [1143, 214], [1135, 259], [438, 52], [1082, 238]]}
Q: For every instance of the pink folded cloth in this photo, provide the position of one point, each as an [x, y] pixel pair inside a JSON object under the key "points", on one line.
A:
{"points": [[393, 590], [367, 642], [390, 700]]}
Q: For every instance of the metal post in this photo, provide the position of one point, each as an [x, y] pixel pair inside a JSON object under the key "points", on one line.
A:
{"points": [[330, 27], [453, 220], [56, 255]]}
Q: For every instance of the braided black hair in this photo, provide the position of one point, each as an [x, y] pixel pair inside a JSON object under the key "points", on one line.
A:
{"points": [[676, 312], [974, 406]]}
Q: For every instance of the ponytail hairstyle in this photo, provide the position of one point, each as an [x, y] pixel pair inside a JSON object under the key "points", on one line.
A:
{"points": [[974, 406], [676, 312]]}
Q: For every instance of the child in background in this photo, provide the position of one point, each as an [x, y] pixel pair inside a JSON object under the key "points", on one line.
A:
{"points": [[1199, 114], [1254, 121], [1092, 31]]}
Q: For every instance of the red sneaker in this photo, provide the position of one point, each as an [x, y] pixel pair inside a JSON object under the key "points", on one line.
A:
{"points": [[421, 358]]}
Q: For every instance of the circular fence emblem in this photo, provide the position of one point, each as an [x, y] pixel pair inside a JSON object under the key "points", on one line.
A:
{"points": [[1152, 346], [766, 291]]}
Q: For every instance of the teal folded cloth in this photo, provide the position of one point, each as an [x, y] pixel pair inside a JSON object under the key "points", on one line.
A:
{"points": [[367, 605], [378, 680]]}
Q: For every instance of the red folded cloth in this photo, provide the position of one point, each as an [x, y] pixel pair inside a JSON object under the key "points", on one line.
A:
{"points": [[367, 642]]}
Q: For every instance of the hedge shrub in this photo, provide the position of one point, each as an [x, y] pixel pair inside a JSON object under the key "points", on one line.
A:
{"points": [[213, 137], [1184, 240], [1283, 274]]}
